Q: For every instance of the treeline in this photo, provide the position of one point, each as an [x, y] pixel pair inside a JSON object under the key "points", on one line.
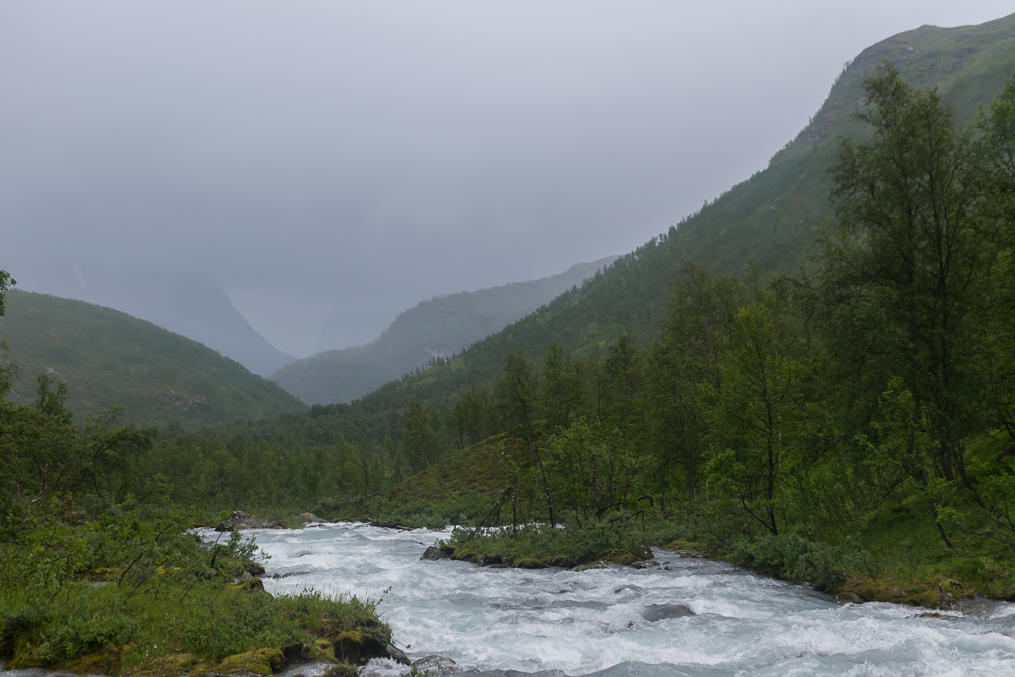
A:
{"points": [[882, 374]]}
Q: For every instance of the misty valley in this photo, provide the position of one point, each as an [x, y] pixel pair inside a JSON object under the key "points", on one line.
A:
{"points": [[777, 438]]}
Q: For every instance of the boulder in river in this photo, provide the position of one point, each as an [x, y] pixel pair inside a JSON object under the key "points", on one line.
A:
{"points": [[660, 612], [397, 655], [435, 666], [431, 553]]}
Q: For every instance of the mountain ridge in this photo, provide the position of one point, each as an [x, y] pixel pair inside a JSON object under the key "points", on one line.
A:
{"points": [[188, 304], [438, 327], [111, 359]]}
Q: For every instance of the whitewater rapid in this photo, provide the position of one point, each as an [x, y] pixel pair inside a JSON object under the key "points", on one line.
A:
{"points": [[558, 621]]}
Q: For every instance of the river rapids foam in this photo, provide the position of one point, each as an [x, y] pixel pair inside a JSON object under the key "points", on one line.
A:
{"points": [[556, 622]]}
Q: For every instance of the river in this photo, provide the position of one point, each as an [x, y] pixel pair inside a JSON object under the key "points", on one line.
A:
{"points": [[593, 622]]}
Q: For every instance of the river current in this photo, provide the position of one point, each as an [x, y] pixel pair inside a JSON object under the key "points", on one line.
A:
{"points": [[593, 622]]}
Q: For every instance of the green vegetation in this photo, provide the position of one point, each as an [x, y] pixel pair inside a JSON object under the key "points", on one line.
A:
{"points": [[840, 413], [98, 573], [109, 359], [535, 546], [849, 425], [127, 591], [434, 329]]}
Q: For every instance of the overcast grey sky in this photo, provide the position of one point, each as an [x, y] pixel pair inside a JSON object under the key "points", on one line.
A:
{"points": [[366, 155]]}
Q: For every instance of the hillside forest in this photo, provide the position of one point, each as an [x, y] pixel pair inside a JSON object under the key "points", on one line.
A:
{"points": [[849, 424]]}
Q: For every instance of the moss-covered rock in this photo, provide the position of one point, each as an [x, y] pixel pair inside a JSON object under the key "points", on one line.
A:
{"points": [[362, 644], [258, 661], [622, 556], [341, 670], [250, 585], [914, 593], [319, 651]]}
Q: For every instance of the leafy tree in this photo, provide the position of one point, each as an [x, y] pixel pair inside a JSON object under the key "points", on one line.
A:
{"points": [[471, 415], [561, 388], [755, 414], [517, 399], [421, 444], [621, 384], [53, 402], [906, 271], [996, 162], [686, 354], [590, 468]]}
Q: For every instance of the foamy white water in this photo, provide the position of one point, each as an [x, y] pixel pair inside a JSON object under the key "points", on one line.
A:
{"points": [[591, 622]]}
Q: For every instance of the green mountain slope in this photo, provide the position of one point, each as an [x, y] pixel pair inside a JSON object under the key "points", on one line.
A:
{"points": [[108, 358], [766, 224], [436, 328]]}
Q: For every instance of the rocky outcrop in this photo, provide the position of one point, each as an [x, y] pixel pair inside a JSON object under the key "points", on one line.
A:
{"points": [[241, 520], [660, 612]]}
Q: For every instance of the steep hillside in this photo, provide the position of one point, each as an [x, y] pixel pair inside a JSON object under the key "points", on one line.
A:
{"points": [[439, 327], [766, 224], [108, 358]]}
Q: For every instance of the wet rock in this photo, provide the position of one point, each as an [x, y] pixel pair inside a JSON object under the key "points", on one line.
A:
{"points": [[633, 588], [277, 575], [951, 591], [431, 553], [659, 612], [495, 561], [979, 607], [849, 598], [397, 655], [435, 666], [241, 520], [388, 524], [303, 553]]}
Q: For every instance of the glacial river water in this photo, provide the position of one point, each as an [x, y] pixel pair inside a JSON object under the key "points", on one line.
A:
{"points": [[562, 622]]}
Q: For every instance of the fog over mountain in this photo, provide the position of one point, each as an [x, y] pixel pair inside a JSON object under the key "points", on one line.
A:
{"points": [[319, 159]]}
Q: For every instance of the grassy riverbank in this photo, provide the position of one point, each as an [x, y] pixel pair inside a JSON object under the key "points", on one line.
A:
{"points": [[134, 594], [898, 556]]}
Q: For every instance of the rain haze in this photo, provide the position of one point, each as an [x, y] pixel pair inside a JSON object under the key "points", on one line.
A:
{"points": [[322, 160]]}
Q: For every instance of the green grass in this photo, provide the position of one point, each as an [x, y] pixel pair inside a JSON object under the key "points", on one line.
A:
{"points": [[133, 594]]}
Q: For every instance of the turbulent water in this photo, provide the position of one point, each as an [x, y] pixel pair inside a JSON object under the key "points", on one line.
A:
{"points": [[555, 621]]}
